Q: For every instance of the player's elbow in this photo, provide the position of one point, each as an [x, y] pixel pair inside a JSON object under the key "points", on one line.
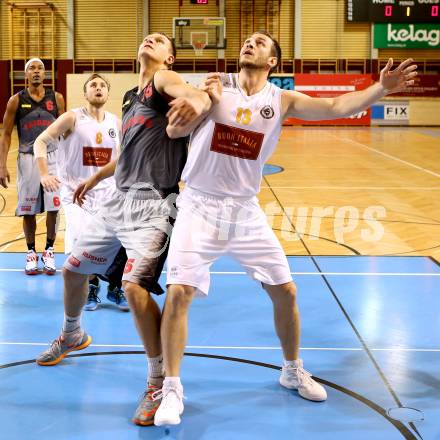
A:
{"points": [[4, 144], [341, 108], [337, 109]]}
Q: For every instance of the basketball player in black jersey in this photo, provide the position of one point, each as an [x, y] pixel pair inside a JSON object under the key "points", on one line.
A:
{"points": [[32, 110], [139, 215]]}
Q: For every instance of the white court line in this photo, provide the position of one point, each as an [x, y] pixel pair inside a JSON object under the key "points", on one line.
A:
{"points": [[226, 347], [20, 236], [389, 156], [386, 274]]}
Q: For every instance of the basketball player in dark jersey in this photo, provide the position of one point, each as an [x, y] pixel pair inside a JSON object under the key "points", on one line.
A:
{"points": [[139, 215], [32, 110]]}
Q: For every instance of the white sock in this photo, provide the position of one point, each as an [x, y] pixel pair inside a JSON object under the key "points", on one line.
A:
{"points": [[296, 363], [71, 323], [172, 382], [155, 366]]}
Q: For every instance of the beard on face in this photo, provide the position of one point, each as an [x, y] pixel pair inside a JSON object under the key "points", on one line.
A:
{"points": [[257, 64], [97, 101]]}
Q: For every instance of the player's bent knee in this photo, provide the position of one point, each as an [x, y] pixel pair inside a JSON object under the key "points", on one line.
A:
{"points": [[292, 295], [284, 292], [73, 278], [179, 297], [68, 274], [290, 289], [133, 291], [129, 291]]}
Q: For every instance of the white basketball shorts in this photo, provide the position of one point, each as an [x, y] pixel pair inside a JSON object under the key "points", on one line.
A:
{"points": [[76, 219], [32, 199], [208, 227], [142, 226]]}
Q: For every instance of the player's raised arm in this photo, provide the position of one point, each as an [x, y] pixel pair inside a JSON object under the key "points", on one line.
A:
{"points": [[299, 105], [62, 125], [180, 127], [188, 103], [172, 84]]}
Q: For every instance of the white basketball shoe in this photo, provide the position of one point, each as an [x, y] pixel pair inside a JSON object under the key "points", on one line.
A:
{"points": [[171, 407], [31, 267], [296, 378]]}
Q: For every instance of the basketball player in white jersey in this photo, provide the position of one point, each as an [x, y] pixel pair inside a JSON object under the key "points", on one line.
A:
{"points": [[90, 137], [219, 212]]}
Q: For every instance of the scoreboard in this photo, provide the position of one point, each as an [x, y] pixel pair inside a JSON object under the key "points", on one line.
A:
{"points": [[393, 11]]}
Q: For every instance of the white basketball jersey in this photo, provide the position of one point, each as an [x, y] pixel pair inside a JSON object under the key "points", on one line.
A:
{"points": [[230, 147], [90, 146]]}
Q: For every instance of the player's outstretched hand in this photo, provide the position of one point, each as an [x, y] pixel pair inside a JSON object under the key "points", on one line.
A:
{"points": [[50, 183], [400, 78], [182, 112], [5, 177], [213, 87], [83, 188]]}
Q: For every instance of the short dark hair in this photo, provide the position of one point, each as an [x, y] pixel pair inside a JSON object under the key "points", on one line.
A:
{"points": [[173, 47], [276, 49], [92, 77]]}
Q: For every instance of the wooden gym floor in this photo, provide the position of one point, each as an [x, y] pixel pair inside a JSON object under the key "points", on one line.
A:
{"points": [[333, 180]]}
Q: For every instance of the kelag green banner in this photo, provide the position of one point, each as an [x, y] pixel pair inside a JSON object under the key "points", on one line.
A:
{"points": [[406, 36]]}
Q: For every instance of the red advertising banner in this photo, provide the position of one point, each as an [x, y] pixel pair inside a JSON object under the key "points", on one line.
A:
{"points": [[424, 86], [329, 86]]}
